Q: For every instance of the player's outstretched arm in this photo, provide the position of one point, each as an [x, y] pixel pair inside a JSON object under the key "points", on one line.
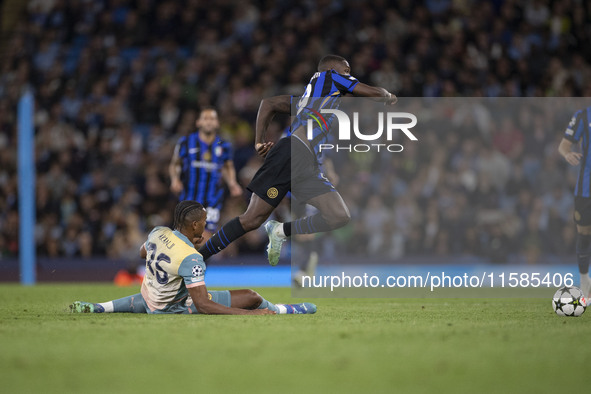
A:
{"points": [[174, 170], [375, 93], [267, 110], [207, 307], [572, 158], [229, 176]]}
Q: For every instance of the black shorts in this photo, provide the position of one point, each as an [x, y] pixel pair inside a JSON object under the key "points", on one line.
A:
{"points": [[582, 214], [275, 178]]}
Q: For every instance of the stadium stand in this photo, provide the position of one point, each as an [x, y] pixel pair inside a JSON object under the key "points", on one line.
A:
{"points": [[116, 82]]}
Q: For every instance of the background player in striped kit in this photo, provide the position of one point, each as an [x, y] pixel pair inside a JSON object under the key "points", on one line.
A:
{"points": [[579, 130], [200, 162]]}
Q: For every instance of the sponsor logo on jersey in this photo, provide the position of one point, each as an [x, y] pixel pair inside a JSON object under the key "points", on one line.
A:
{"points": [[209, 166]]}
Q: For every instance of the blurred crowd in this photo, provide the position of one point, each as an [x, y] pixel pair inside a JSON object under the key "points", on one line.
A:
{"points": [[117, 82], [483, 182]]}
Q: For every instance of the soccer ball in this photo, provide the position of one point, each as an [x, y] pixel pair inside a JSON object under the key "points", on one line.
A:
{"points": [[569, 301]]}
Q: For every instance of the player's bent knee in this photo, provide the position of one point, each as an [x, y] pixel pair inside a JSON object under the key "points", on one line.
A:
{"points": [[255, 298], [345, 218], [339, 219], [251, 222]]}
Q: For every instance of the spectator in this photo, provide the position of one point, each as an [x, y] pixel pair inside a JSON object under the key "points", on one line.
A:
{"points": [[116, 83]]}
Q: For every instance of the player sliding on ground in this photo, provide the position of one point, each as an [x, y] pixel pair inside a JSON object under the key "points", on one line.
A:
{"points": [[175, 272], [307, 184]]}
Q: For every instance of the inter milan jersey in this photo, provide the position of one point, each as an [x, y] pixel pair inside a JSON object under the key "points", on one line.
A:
{"points": [[322, 92], [201, 169], [578, 129]]}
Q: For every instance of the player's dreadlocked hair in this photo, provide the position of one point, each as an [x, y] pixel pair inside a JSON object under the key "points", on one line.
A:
{"points": [[192, 210], [325, 63]]}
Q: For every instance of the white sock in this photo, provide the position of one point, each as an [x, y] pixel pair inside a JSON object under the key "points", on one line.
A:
{"points": [[585, 284], [108, 306], [279, 231], [282, 309]]}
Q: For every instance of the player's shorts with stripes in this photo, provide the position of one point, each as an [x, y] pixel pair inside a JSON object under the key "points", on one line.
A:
{"points": [[289, 166]]}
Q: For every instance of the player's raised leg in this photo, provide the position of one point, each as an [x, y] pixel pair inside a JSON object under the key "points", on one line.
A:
{"points": [[333, 214], [257, 212], [268, 186]]}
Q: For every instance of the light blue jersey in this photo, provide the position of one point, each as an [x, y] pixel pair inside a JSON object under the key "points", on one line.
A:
{"points": [[172, 266]]}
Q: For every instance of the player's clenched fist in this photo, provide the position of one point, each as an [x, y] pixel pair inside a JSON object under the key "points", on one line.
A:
{"points": [[573, 158], [263, 148], [176, 186]]}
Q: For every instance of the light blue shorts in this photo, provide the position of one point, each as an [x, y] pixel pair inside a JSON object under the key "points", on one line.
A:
{"points": [[221, 297]]}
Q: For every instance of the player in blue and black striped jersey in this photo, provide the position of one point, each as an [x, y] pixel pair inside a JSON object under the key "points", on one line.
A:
{"points": [[200, 162], [307, 184], [579, 130]]}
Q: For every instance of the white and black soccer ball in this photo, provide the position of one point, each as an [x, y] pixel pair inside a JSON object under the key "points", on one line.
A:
{"points": [[569, 301], [197, 271]]}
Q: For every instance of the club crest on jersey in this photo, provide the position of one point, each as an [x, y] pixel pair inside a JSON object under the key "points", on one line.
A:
{"points": [[272, 193], [207, 156]]}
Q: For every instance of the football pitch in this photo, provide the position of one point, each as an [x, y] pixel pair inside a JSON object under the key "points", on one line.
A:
{"points": [[350, 345]]}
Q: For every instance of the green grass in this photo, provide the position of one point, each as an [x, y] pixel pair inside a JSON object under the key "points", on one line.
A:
{"points": [[350, 345]]}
